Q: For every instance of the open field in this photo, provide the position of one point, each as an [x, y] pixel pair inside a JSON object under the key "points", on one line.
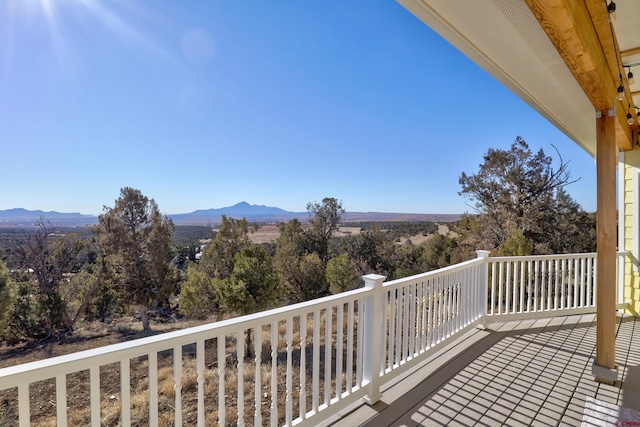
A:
{"points": [[269, 233], [265, 234]]}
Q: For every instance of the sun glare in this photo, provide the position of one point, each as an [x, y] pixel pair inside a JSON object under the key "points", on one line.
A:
{"points": [[60, 47], [63, 18], [120, 28]]}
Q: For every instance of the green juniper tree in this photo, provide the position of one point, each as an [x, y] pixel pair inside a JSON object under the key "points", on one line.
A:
{"points": [[253, 284], [207, 290], [303, 252], [340, 274], [136, 245], [519, 189]]}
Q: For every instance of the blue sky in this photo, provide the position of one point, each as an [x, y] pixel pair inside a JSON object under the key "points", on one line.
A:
{"points": [[203, 104]]}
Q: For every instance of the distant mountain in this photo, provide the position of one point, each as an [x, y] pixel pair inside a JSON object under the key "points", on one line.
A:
{"points": [[258, 213], [253, 213], [24, 213], [240, 210], [243, 208], [26, 218]]}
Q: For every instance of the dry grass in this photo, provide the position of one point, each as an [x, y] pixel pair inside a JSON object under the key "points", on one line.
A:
{"points": [[270, 233], [8, 416]]}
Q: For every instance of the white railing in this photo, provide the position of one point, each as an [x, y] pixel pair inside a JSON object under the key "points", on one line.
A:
{"points": [[543, 286], [286, 374], [296, 365], [420, 313], [534, 286]]}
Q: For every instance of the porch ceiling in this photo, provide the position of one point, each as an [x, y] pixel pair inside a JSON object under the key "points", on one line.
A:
{"points": [[560, 56]]}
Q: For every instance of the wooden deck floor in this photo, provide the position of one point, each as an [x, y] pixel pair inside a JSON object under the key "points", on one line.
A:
{"points": [[535, 372]]}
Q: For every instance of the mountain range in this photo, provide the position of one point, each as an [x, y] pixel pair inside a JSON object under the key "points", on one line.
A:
{"points": [[253, 213]]}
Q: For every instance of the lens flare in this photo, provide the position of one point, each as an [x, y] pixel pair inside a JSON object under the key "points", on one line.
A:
{"points": [[61, 18]]}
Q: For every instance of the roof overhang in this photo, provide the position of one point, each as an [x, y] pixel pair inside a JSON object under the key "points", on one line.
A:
{"points": [[560, 56]]}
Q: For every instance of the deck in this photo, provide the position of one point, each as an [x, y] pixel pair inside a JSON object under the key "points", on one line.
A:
{"points": [[519, 373], [414, 339]]}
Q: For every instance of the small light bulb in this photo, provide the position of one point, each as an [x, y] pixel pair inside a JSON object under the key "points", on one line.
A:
{"points": [[629, 119], [611, 8], [620, 95], [630, 78]]}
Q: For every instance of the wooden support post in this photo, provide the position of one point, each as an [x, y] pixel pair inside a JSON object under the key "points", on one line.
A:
{"points": [[604, 367]]}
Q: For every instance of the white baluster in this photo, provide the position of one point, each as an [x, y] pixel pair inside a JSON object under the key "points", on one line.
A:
{"points": [[544, 275], [94, 391], [23, 405], [339, 349], [429, 324], [257, 391], [580, 273], [240, 353], [509, 290], [392, 327], [153, 388], [328, 314], [316, 361], [537, 300], [557, 283], [530, 275], [406, 301], [125, 393], [303, 366], [274, 373], [349, 370], [289, 386], [61, 400], [360, 343], [398, 322], [177, 386], [500, 288], [200, 377]]}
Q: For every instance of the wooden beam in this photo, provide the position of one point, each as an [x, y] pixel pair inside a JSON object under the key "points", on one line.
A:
{"points": [[606, 158], [571, 27], [606, 34], [630, 52]]}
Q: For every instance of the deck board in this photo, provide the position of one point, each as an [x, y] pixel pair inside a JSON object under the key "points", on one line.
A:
{"points": [[534, 372]]}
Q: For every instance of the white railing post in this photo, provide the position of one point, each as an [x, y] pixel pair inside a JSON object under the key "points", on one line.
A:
{"points": [[372, 348], [483, 285]]}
